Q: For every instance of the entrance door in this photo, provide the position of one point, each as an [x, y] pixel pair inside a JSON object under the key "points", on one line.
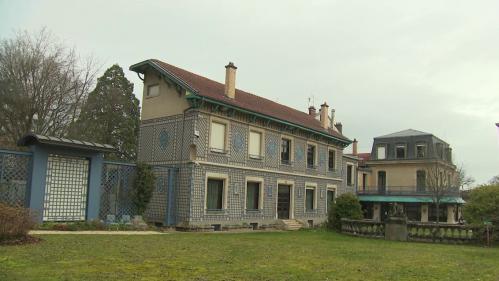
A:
{"points": [[283, 201]]}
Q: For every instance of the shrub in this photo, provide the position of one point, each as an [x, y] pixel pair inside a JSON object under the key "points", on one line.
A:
{"points": [[15, 222], [483, 206], [346, 206], [143, 187]]}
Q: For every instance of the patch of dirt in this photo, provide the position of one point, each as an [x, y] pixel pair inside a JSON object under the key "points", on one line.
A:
{"points": [[24, 240]]}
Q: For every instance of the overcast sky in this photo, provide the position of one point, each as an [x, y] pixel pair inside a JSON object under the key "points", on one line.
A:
{"points": [[385, 66]]}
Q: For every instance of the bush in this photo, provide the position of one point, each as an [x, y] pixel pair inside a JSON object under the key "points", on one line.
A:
{"points": [[15, 222], [483, 206], [143, 187], [346, 206]]}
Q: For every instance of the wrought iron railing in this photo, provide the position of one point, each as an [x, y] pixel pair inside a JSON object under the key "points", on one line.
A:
{"points": [[403, 190]]}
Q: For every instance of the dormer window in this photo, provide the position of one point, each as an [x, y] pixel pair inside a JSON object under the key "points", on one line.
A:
{"points": [[152, 91], [381, 152], [400, 151], [420, 150]]}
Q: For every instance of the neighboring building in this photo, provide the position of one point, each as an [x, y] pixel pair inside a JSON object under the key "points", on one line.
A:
{"points": [[400, 169], [242, 159]]}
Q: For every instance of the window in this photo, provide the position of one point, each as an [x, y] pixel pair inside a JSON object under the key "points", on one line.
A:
{"points": [[217, 136], [215, 194], [421, 180], [381, 152], [152, 90], [311, 155], [310, 198], [332, 160], [331, 195], [253, 195], [381, 182], [255, 144], [285, 151], [440, 150], [400, 151], [420, 151], [349, 175]]}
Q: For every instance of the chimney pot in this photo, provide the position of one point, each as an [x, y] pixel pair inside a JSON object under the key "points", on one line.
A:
{"points": [[354, 147], [312, 111], [325, 122], [339, 127], [230, 80]]}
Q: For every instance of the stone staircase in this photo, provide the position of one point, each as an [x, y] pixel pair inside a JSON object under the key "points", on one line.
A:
{"points": [[291, 224]]}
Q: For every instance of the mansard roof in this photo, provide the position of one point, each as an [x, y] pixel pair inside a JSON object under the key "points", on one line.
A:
{"points": [[202, 87]]}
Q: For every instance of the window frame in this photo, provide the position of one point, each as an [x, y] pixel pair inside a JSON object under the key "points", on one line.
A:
{"points": [[401, 145], [226, 123], [291, 150], [148, 89], [315, 155], [259, 180], [384, 146], [352, 174], [331, 187], [310, 186], [425, 150], [262, 143], [216, 176], [335, 165]]}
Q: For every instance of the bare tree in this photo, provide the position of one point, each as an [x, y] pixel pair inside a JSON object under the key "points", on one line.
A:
{"points": [[42, 85], [494, 180], [439, 183], [463, 181]]}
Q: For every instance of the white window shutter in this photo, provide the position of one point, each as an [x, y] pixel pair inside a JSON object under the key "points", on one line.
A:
{"points": [[255, 143], [217, 136]]}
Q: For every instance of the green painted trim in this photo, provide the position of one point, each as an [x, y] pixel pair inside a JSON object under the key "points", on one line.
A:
{"points": [[341, 141], [408, 199]]}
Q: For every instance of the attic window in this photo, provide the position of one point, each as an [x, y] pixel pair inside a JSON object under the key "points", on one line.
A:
{"points": [[152, 90]]}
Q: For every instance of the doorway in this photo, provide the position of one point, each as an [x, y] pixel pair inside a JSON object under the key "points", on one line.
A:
{"points": [[283, 201]]}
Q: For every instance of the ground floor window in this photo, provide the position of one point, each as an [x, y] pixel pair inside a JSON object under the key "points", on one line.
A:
{"points": [[330, 197], [432, 213], [310, 198], [413, 211], [253, 196], [215, 194]]}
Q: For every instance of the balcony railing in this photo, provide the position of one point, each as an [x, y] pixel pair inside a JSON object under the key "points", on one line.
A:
{"points": [[403, 190]]}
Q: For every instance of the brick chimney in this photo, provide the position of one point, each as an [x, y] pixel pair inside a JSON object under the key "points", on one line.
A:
{"points": [[230, 80], [325, 122], [354, 147], [312, 111], [339, 127]]}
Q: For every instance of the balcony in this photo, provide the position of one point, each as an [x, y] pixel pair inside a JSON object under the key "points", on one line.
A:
{"points": [[403, 190]]}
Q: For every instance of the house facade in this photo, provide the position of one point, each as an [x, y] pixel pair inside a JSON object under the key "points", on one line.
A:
{"points": [[409, 168], [241, 158]]}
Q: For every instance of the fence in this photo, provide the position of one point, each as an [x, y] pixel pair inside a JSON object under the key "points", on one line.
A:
{"points": [[422, 232], [116, 186], [15, 172]]}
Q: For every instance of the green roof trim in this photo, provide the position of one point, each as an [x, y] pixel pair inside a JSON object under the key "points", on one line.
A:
{"points": [[344, 142], [408, 199]]}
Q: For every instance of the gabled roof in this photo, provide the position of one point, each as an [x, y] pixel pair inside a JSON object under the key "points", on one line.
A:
{"points": [[32, 138], [203, 87], [405, 133]]}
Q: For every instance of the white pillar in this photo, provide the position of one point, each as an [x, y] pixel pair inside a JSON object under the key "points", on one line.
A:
{"points": [[451, 215], [377, 212], [424, 212]]}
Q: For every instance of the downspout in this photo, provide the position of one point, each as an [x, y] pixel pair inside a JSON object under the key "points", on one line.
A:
{"points": [[182, 164]]}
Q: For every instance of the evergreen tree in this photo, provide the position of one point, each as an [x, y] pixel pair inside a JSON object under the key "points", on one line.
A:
{"points": [[111, 115]]}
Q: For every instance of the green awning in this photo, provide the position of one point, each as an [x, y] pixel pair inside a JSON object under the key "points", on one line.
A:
{"points": [[408, 199]]}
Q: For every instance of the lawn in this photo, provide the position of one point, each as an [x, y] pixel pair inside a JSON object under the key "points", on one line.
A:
{"points": [[301, 255]]}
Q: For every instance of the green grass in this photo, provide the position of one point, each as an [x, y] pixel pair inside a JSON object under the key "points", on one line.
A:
{"points": [[302, 255]]}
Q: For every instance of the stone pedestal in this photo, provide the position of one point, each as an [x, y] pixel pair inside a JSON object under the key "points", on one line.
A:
{"points": [[396, 229]]}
